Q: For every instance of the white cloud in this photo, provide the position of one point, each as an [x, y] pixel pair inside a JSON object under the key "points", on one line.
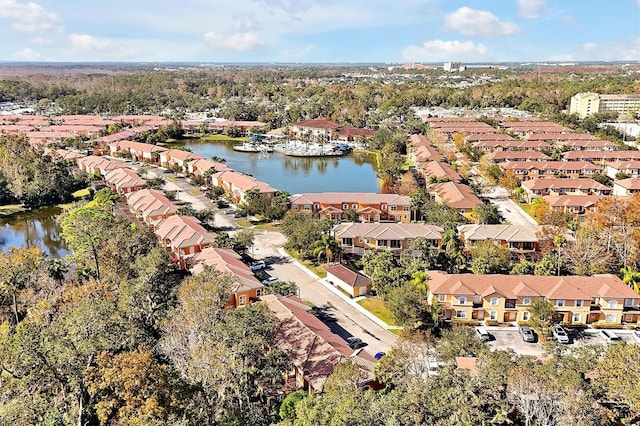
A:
{"points": [[627, 50], [244, 23], [531, 9], [84, 44], [41, 40], [26, 54], [237, 42], [27, 17], [446, 50], [474, 23]]}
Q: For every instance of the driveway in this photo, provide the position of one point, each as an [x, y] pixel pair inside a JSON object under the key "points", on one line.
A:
{"points": [[510, 211], [349, 321]]}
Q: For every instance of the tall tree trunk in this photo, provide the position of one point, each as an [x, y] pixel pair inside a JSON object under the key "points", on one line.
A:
{"points": [[15, 307]]}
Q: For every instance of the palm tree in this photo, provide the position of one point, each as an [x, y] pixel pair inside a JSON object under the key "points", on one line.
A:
{"points": [[328, 247], [631, 277]]}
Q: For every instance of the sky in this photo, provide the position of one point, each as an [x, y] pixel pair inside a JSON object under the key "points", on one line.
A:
{"points": [[319, 31]]}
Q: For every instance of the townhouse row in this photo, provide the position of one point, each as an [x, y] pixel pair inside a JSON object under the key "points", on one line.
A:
{"points": [[508, 298]]}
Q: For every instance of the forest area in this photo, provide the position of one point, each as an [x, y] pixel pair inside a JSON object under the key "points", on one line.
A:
{"points": [[280, 97]]}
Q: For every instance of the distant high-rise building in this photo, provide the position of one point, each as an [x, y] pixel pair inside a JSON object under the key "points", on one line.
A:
{"points": [[585, 104], [453, 66]]}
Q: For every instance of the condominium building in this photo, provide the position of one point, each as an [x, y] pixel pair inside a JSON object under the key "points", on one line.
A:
{"points": [[585, 104]]}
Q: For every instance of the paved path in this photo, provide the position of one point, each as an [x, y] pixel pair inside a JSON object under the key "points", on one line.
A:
{"points": [[510, 211], [350, 321]]}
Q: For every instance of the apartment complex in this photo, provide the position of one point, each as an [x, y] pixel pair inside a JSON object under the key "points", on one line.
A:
{"points": [[507, 298], [585, 104]]}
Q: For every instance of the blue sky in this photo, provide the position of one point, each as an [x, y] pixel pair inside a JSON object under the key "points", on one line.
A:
{"points": [[319, 30]]}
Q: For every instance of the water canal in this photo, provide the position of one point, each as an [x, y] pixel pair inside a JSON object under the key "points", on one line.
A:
{"points": [[36, 228], [353, 173]]}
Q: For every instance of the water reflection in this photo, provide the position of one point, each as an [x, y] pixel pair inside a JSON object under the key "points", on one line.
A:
{"points": [[38, 228], [353, 173]]}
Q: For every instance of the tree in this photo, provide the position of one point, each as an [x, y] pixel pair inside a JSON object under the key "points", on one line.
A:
{"points": [[631, 277], [283, 288], [542, 311], [302, 231], [586, 255], [487, 214], [130, 388], [618, 375], [489, 258], [326, 246], [84, 229], [17, 269], [242, 240], [510, 181]]}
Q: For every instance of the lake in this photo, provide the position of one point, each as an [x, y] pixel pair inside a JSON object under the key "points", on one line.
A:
{"points": [[37, 228], [353, 173]]}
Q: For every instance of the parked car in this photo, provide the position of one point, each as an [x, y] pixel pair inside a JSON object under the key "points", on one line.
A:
{"points": [[636, 334], [257, 265], [483, 334], [609, 336], [230, 211], [355, 342], [527, 334], [560, 334], [433, 367], [270, 280]]}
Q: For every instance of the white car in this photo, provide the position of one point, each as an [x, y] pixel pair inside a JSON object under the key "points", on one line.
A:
{"points": [[560, 334], [636, 334], [609, 336], [270, 280], [257, 265]]}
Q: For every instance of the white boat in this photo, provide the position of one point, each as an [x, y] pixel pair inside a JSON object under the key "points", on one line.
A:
{"points": [[250, 147]]}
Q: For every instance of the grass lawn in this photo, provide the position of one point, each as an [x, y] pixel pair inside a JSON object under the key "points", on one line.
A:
{"points": [[10, 209], [223, 138], [376, 306], [395, 331], [267, 227], [81, 193], [172, 178], [195, 191], [526, 207], [316, 269]]}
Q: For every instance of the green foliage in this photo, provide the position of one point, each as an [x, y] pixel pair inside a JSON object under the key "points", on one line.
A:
{"points": [[288, 405], [302, 231], [273, 208], [283, 288], [32, 178], [524, 267], [487, 214], [441, 215], [489, 258]]}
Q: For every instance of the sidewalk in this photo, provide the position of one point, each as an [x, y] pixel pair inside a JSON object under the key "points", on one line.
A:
{"points": [[337, 292]]}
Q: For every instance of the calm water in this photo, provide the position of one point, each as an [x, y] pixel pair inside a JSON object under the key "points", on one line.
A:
{"points": [[37, 228], [353, 173]]}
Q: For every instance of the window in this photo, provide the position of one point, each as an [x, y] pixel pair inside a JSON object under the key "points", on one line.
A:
{"points": [[347, 242], [394, 208], [382, 243], [594, 301], [526, 301], [461, 314], [243, 300], [367, 240], [383, 206], [613, 303], [259, 292], [442, 298], [526, 315], [577, 317], [560, 303], [345, 207], [628, 302], [493, 315], [494, 301], [405, 208], [316, 206], [409, 241], [395, 243], [294, 207], [610, 318], [354, 206], [307, 207], [579, 303], [528, 245], [514, 245], [462, 300]]}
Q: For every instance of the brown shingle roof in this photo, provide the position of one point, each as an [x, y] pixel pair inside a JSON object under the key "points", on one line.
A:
{"points": [[349, 276]]}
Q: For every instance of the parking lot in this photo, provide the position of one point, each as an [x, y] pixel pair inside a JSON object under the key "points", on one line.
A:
{"points": [[509, 338]]}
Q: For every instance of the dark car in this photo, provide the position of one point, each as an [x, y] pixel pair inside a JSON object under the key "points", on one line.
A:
{"points": [[527, 334], [355, 342]]}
